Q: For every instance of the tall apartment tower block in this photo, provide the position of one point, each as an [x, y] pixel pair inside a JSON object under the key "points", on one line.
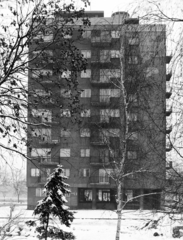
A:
{"points": [[120, 52]]}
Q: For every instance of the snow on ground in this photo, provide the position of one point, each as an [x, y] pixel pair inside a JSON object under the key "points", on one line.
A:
{"points": [[100, 224]]}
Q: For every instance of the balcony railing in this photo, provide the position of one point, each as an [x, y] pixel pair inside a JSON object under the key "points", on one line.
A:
{"points": [[168, 92], [43, 179], [100, 180], [106, 83], [104, 120], [168, 129], [168, 59], [168, 146], [98, 141], [101, 41], [100, 100], [168, 76], [47, 160], [168, 110], [99, 161], [49, 142], [168, 164]]}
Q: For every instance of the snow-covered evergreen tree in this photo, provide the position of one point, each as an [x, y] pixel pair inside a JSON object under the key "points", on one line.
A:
{"points": [[52, 207]]}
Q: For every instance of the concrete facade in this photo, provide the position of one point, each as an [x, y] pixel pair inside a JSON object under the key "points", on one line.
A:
{"points": [[90, 148]]}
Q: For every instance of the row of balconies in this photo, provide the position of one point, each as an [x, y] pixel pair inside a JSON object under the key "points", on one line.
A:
{"points": [[91, 180], [107, 83]]}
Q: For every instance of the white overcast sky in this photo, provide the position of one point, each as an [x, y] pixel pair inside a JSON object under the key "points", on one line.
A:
{"points": [[110, 6]]}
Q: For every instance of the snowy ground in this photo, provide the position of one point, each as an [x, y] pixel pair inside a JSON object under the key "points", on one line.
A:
{"points": [[100, 224]]}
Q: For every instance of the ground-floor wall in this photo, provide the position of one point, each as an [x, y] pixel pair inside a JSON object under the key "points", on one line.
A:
{"points": [[103, 198]]}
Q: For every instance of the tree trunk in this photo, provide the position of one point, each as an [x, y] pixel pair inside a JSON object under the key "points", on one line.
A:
{"points": [[119, 210], [46, 228]]}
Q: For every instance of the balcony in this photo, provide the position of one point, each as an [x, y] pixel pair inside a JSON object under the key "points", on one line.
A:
{"points": [[168, 147], [168, 92], [101, 40], [168, 129], [168, 165], [100, 161], [100, 100], [168, 110], [49, 142], [48, 161], [99, 141], [42, 179], [104, 121], [99, 180], [168, 76], [106, 83], [168, 59]]}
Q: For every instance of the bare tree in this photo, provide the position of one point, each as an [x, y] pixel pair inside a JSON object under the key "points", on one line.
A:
{"points": [[18, 182], [30, 24]]}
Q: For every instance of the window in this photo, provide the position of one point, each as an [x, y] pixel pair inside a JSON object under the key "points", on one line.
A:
{"points": [[133, 59], [45, 173], [133, 136], [65, 132], [45, 56], [65, 113], [67, 36], [132, 98], [66, 74], [104, 195], [66, 172], [41, 73], [35, 172], [151, 71], [105, 36], [114, 153], [115, 53], [41, 92], [113, 132], [114, 113], [133, 40], [128, 195], [41, 152], [86, 93], [44, 114], [105, 75], [115, 34], [105, 114], [115, 73], [104, 175], [132, 154], [86, 34], [40, 192], [84, 172], [85, 152], [65, 93], [43, 133], [86, 73], [85, 132], [65, 152], [101, 36], [48, 36], [132, 117], [85, 195], [105, 95], [86, 53], [115, 93], [85, 113], [105, 56], [104, 155]]}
